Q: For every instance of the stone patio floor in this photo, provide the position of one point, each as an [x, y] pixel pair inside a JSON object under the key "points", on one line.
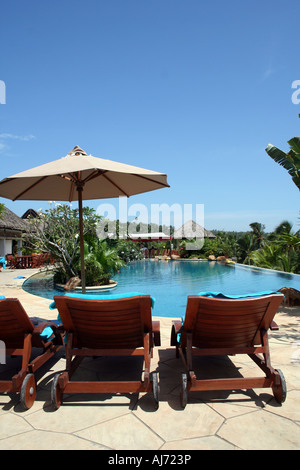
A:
{"points": [[231, 420]]}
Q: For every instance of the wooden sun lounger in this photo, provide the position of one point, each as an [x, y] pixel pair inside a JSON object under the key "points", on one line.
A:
{"points": [[18, 336], [112, 327], [227, 327]]}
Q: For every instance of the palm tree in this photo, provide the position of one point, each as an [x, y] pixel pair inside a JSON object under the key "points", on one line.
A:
{"points": [[284, 227], [268, 257], [245, 248], [271, 256], [290, 161], [102, 261], [258, 233], [289, 241], [281, 251]]}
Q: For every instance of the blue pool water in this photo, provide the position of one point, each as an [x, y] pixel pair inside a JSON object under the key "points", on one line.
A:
{"points": [[170, 282]]}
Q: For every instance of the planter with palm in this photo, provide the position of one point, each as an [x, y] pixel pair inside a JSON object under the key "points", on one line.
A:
{"points": [[101, 262]]}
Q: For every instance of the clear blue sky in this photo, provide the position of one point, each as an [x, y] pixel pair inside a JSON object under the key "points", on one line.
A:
{"points": [[191, 88]]}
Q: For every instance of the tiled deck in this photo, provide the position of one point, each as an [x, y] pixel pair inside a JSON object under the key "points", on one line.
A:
{"points": [[212, 420]]}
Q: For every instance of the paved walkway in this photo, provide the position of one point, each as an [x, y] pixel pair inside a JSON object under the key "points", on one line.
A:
{"points": [[212, 420]]}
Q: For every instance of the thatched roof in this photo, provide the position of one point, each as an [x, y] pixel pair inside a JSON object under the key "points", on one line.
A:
{"points": [[10, 221], [192, 230]]}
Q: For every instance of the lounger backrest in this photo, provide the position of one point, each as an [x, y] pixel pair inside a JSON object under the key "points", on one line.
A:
{"points": [[217, 323], [14, 323], [107, 324]]}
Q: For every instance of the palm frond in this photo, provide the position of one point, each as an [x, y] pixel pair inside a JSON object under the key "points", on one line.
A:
{"points": [[290, 161], [284, 159]]}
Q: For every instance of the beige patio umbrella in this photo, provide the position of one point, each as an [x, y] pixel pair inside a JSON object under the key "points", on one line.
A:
{"points": [[79, 176]]}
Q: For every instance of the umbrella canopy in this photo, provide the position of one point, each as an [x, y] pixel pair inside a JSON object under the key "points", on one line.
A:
{"points": [[80, 176], [101, 178]]}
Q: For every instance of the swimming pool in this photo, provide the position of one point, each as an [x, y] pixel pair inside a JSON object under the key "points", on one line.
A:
{"points": [[170, 282]]}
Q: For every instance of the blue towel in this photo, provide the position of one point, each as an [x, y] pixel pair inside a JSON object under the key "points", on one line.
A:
{"points": [[52, 306], [47, 332], [219, 295]]}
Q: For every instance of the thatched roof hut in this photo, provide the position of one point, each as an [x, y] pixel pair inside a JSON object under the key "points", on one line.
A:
{"points": [[191, 230], [10, 222], [11, 229]]}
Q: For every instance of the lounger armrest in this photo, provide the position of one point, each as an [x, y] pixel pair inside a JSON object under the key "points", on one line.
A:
{"points": [[156, 333], [176, 328], [41, 326], [41, 333], [274, 326]]}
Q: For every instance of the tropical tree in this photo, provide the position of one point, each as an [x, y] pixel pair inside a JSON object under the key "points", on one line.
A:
{"points": [[283, 227], [257, 233], [290, 160], [267, 257], [245, 248], [271, 256], [281, 251], [56, 231]]}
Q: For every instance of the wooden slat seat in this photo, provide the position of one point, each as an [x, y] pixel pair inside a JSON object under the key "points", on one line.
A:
{"points": [[106, 327], [216, 326], [19, 335]]}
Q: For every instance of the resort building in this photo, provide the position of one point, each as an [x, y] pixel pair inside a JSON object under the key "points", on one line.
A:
{"points": [[12, 227]]}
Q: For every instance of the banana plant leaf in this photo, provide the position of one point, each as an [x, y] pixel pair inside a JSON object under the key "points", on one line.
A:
{"points": [[290, 161]]}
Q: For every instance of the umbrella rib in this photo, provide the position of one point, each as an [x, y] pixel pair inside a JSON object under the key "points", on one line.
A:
{"points": [[114, 184], [71, 191], [7, 180], [95, 174], [73, 180], [165, 185], [29, 188]]}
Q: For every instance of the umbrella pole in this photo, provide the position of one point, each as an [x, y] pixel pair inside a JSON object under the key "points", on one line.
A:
{"points": [[80, 189]]}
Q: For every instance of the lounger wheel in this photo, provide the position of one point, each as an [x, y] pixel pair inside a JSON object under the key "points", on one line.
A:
{"points": [[183, 393], [28, 391], [56, 393], [155, 387], [279, 389]]}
